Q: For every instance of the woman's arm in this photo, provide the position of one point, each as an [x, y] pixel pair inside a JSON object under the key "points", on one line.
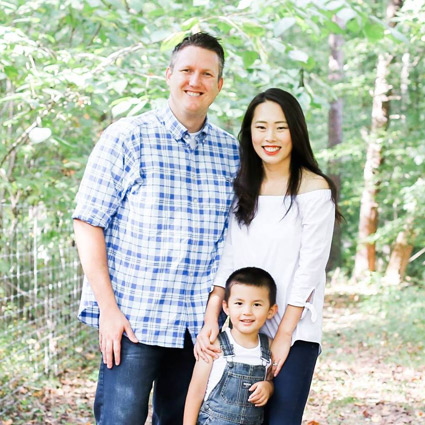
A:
{"points": [[317, 228], [282, 341]]}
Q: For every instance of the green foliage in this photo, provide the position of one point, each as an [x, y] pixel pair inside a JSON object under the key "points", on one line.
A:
{"points": [[69, 68]]}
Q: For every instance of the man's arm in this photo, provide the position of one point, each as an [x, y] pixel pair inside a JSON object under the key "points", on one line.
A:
{"points": [[204, 347], [91, 246]]}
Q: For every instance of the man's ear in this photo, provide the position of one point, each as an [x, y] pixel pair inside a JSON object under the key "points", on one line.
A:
{"points": [[272, 311], [220, 84]]}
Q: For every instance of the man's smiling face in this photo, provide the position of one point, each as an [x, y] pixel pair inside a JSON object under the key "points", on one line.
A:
{"points": [[194, 83]]}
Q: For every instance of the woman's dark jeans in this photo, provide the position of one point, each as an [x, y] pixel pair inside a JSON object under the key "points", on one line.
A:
{"points": [[292, 385]]}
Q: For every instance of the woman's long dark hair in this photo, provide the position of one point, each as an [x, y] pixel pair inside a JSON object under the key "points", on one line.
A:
{"points": [[250, 176]]}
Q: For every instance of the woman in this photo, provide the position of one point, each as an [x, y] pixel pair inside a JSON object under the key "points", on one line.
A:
{"points": [[282, 222]]}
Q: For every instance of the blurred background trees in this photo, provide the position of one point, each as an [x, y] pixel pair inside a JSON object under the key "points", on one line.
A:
{"points": [[69, 68]]}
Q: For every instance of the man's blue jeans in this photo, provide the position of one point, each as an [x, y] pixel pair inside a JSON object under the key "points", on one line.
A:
{"points": [[122, 395]]}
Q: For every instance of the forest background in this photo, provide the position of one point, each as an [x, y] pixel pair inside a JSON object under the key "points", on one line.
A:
{"points": [[69, 68]]}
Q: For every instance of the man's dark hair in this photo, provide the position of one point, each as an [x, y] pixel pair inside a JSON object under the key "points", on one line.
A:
{"points": [[205, 41], [251, 276]]}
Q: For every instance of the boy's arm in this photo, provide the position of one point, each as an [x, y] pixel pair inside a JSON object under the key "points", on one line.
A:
{"points": [[262, 391], [196, 391]]}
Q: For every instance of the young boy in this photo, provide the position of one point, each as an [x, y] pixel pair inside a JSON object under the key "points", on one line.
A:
{"points": [[233, 388]]}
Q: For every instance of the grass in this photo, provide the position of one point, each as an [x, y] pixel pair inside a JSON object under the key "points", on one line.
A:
{"points": [[372, 368], [371, 371]]}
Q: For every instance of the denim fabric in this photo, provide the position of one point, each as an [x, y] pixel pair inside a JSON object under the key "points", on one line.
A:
{"points": [[228, 402], [122, 394], [292, 385]]}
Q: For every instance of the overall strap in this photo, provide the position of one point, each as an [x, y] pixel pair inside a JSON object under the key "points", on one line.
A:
{"points": [[225, 344], [226, 347], [265, 349]]}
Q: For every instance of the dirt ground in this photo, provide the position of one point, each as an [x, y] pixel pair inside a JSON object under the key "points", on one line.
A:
{"points": [[355, 382]]}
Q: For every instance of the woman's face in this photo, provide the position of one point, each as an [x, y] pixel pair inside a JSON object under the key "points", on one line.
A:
{"points": [[271, 137]]}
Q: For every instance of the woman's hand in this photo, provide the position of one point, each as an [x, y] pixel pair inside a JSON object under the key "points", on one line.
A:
{"points": [[282, 341], [280, 349], [204, 347]]}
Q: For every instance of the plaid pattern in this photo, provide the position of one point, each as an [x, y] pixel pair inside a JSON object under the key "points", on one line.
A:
{"points": [[164, 208]]}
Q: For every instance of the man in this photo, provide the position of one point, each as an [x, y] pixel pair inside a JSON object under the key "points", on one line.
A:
{"points": [[149, 223]]}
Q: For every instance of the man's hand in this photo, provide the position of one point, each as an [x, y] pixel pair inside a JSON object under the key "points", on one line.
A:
{"points": [[262, 391], [204, 347], [112, 324]]}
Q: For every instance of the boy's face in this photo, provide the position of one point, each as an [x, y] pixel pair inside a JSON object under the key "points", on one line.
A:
{"points": [[248, 307]]}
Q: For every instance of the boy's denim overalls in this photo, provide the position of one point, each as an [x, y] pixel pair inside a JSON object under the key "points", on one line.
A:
{"points": [[228, 402]]}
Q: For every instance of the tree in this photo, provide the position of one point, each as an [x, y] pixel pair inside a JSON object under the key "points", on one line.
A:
{"points": [[336, 63], [366, 253]]}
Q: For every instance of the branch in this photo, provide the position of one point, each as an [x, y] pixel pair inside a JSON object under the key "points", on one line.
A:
{"points": [[417, 255], [114, 56]]}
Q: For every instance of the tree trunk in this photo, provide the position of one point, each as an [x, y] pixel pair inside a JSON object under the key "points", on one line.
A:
{"points": [[400, 254], [335, 134], [365, 259]]}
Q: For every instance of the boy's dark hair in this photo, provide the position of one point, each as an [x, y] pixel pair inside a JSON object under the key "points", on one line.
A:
{"points": [[251, 276], [204, 40]]}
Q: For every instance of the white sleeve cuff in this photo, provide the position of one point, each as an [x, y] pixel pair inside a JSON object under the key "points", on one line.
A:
{"points": [[310, 307]]}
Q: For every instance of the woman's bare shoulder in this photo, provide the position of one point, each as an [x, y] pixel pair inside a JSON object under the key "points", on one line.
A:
{"points": [[311, 182]]}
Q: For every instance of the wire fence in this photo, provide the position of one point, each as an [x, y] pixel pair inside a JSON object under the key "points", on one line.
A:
{"points": [[40, 283]]}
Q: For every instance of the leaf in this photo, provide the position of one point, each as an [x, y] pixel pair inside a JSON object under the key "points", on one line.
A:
{"points": [[353, 26], [11, 72], [346, 15], [172, 40], [187, 25], [335, 4], [243, 4], [374, 32], [398, 35], [249, 57], [118, 86], [284, 24], [298, 55], [122, 107], [253, 29], [39, 134]]}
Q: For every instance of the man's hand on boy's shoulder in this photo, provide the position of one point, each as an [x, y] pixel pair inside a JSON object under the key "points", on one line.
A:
{"points": [[204, 348], [210, 355], [262, 391]]}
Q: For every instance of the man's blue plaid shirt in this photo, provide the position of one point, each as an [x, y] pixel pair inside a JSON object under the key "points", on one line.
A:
{"points": [[163, 207]]}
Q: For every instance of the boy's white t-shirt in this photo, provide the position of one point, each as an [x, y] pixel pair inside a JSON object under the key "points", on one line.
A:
{"points": [[251, 356]]}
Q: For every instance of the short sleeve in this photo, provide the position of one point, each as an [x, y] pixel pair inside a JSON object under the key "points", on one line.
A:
{"points": [[317, 223], [105, 178]]}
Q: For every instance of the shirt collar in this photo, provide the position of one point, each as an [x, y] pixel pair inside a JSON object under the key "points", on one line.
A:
{"points": [[177, 129]]}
